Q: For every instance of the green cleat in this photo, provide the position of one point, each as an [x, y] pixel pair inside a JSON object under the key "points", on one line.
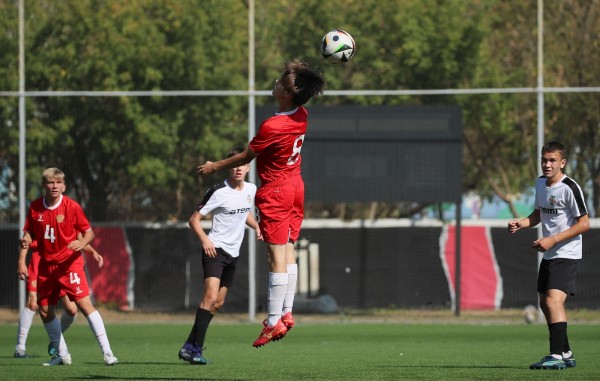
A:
{"points": [[51, 350], [549, 362], [197, 358], [570, 361], [59, 360]]}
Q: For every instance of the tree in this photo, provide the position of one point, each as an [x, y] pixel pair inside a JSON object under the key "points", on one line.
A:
{"points": [[134, 158], [572, 31]]}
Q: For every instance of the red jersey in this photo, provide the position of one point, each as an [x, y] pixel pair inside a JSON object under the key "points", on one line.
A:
{"points": [[277, 145], [55, 227]]}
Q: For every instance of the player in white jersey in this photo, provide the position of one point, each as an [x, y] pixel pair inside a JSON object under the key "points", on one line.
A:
{"points": [[560, 207], [230, 204]]}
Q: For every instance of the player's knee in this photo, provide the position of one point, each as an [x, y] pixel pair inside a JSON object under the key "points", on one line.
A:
{"points": [[208, 303], [46, 315], [218, 304]]}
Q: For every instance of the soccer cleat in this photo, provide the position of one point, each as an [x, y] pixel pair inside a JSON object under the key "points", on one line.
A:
{"points": [[197, 358], [549, 362], [109, 359], [51, 350], [288, 320], [186, 352], [20, 354], [570, 361], [59, 360], [268, 334]]}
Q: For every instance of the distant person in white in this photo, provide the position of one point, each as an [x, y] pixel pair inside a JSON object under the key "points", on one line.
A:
{"points": [[230, 204], [560, 207]]}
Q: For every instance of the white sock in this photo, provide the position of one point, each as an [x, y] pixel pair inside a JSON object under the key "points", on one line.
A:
{"points": [[56, 337], [97, 325], [277, 287], [288, 301], [24, 325], [567, 354], [66, 320]]}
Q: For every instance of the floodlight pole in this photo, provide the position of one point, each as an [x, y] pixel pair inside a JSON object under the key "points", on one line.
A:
{"points": [[21, 136], [540, 111], [457, 257], [252, 174]]}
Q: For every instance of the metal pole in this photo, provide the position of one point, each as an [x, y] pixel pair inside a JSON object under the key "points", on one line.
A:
{"points": [[22, 174], [252, 175], [457, 258], [540, 110]]}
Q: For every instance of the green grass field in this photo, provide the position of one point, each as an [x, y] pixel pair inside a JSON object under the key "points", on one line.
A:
{"points": [[311, 351]]}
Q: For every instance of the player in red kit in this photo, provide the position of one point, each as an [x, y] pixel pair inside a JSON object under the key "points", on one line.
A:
{"points": [[55, 221], [280, 198], [31, 306]]}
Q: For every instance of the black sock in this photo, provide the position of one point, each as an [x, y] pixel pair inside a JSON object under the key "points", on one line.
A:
{"points": [[566, 346], [203, 318], [558, 332]]}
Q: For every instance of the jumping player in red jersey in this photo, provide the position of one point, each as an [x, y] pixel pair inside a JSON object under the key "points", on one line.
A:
{"points": [[280, 198], [55, 221]]}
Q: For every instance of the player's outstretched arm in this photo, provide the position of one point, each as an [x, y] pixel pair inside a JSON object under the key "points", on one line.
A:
{"points": [[210, 167]]}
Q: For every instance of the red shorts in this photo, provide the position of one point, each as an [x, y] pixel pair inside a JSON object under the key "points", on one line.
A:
{"points": [[280, 206], [32, 270], [67, 277]]}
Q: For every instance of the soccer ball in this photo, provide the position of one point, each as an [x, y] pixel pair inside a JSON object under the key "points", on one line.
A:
{"points": [[338, 46], [530, 314]]}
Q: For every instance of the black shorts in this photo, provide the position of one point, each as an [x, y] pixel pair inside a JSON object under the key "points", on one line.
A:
{"points": [[222, 266], [559, 274]]}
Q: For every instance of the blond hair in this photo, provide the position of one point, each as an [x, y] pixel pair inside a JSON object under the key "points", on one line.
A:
{"points": [[52, 173]]}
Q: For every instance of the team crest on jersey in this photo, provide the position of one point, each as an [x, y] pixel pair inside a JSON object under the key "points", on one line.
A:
{"points": [[41, 218], [249, 199], [60, 218], [553, 200]]}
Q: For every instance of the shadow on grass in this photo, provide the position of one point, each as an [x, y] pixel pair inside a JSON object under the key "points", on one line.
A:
{"points": [[455, 366]]}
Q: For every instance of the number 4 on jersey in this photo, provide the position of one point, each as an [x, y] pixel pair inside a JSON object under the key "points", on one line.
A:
{"points": [[49, 234]]}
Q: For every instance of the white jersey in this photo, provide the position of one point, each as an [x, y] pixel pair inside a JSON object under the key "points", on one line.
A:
{"points": [[230, 209], [559, 206]]}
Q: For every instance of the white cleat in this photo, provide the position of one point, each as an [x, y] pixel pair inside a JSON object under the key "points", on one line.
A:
{"points": [[20, 354], [109, 359], [59, 360]]}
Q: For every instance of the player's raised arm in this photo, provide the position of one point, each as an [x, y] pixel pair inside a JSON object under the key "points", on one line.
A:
{"points": [[242, 158]]}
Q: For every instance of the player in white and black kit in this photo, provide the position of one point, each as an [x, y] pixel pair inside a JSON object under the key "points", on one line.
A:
{"points": [[230, 204], [560, 207]]}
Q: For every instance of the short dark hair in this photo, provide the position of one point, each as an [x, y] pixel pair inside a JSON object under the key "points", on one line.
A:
{"points": [[235, 151], [301, 81], [555, 146]]}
